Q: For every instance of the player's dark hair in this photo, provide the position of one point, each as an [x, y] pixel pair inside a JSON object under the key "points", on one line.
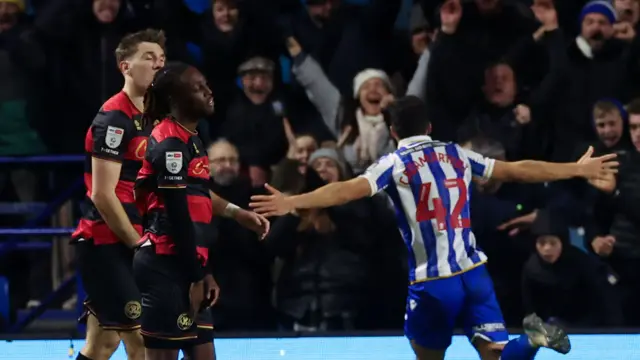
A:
{"points": [[129, 44], [408, 116], [157, 99]]}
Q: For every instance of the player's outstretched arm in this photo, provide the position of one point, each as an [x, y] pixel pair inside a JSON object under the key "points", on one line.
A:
{"points": [[253, 221], [333, 194], [542, 171]]}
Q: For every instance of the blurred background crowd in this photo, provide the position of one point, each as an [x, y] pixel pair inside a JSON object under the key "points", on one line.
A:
{"points": [[299, 87]]}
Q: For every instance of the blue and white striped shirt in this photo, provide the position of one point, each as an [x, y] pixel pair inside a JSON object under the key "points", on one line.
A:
{"points": [[429, 182]]}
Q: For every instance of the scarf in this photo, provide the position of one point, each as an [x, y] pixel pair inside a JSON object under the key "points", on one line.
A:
{"points": [[373, 132]]}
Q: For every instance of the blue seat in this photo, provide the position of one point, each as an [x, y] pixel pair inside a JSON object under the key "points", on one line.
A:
{"points": [[4, 299]]}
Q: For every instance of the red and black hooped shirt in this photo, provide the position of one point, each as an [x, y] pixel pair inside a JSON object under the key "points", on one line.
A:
{"points": [[176, 158], [116, 134]]}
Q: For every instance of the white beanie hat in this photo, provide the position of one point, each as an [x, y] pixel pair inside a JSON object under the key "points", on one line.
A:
{"points": [[368, 74]]}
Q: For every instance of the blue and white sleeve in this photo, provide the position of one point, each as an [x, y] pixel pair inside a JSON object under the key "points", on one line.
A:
{"points": [[480, 166], [380, 173]]}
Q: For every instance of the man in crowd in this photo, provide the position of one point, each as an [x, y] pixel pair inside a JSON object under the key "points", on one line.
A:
{"points": [[610, 120], [257, 114], [613, 230], [239, 261], [628, 11], [463, 49], [506, 113], [602, 66]]}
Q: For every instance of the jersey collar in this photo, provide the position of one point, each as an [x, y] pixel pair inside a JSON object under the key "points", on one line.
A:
{"points": [[412, 140]]}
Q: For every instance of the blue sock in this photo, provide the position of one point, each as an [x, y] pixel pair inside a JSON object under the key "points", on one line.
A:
{"points": [[519, 349]]}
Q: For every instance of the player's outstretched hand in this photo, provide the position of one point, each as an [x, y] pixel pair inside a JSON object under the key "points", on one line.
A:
{"points": [[598, 168], [276, 204], [253, 221], [606, 181]]}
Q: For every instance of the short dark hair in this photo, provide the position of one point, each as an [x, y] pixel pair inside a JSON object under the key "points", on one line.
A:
{"points": [[634, 107], [129, 44], [157, 99], [408, 116]]}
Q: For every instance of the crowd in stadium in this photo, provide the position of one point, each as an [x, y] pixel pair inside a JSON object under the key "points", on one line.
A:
{"points": [[299, 88]]}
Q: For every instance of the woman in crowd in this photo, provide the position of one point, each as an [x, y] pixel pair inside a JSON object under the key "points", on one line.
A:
{"points": [[356, 122]]}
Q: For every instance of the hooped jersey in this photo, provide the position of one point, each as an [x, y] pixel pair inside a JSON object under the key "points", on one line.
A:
{"points": [[176, 158], [116, 134]]}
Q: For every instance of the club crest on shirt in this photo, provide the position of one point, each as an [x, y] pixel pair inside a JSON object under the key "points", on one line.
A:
{"points": [[173, 161], [114, 136]]}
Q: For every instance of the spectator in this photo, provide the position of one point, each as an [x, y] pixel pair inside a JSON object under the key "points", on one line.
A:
{"points": [[257, 113], [317, 26], [634, 124], [330, 259], [327, 164], [628, 11], [515, 119], [356, 122], [611, 123], [563, 283], [241, 266], [472, 36], [288, 175], [612, 232], [231, 32], [88, 32], [602, 64], [345, 38]]}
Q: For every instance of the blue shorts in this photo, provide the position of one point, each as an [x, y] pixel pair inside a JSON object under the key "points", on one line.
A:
{"points": [[435, 307]]}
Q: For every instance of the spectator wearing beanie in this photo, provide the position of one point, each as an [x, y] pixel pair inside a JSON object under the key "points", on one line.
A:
{"points": [[329, 165], [601, 66], [355, 121]]}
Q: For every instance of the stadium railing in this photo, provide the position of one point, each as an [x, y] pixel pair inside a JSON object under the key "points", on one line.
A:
{"points": [[12, 239]]}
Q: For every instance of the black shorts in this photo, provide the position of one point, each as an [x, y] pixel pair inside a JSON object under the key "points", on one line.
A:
{"points": [[165, 303], [107, 276]]}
